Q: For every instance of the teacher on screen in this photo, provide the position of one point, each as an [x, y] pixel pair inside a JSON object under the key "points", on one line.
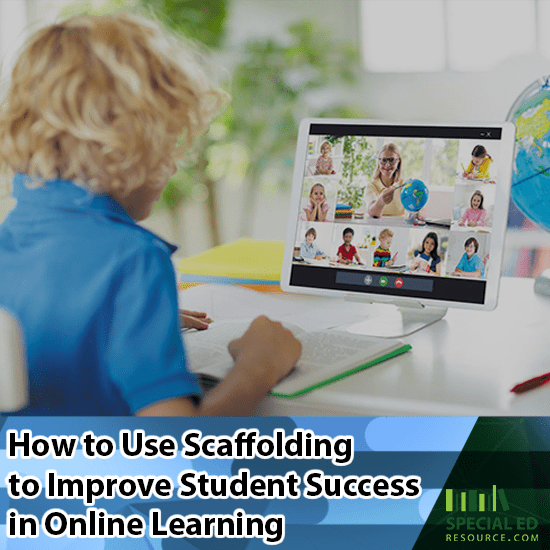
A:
{"points": [[381, 196]]}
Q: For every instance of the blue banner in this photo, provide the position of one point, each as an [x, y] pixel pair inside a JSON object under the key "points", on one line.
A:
{"points": [[159, 483]]}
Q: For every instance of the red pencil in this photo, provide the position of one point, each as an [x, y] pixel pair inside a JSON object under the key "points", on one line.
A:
{"points": [[531, 383]]}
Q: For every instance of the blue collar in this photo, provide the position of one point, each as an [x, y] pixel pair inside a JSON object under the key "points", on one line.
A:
{"points": [[65, 194]]}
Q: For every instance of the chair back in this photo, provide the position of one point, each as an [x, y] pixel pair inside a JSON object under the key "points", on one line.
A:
{"points": [[14, 382]]}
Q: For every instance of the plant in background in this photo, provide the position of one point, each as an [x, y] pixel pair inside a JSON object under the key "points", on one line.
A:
{"points": [[272, 89], [359, 160]]}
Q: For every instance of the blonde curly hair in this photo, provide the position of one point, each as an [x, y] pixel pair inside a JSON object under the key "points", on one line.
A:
{"points": [[110, 102]]}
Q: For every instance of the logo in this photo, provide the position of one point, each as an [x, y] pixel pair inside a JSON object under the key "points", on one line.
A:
{"points": [[475, 501], [486, 516], [383, 281]]}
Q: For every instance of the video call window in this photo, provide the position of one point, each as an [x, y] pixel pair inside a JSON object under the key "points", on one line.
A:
{"points": [[418, 206]]}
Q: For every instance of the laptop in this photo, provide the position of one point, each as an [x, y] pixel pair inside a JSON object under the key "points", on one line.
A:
{"points": [[448, 247]]}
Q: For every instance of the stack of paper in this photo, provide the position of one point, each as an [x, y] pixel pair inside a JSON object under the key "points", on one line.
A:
{"points": [[250, 263]]}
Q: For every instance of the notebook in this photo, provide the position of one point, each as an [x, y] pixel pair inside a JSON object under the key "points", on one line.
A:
{"points": [[327, 355]]}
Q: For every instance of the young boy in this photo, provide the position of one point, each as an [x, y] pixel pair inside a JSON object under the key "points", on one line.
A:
{"points": [[382, 255], [470, 265], [98, 111], [347, 252], [308, 249]]}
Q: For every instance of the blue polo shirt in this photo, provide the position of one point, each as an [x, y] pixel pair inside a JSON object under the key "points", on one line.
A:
{"points": [[475, 263], [96, 297], [309, 251]]}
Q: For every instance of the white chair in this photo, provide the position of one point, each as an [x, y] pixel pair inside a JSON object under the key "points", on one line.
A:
{"points": [[14, 383]]}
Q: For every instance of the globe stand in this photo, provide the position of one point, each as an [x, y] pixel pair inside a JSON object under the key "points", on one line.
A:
{"points": [[542, 283], [390, 321]]}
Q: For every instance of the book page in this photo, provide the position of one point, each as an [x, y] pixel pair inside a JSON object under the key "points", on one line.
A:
{"points": [[325, 354], [329, 353], [207, 351]]}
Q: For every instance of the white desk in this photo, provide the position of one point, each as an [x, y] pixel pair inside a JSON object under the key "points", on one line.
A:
{"points": [[464, 364]]}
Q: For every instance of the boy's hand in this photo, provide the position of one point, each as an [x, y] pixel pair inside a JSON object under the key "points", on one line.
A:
{"points": [[194, 319], [267, 350]]}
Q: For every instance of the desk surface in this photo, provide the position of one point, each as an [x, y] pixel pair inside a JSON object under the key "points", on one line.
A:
{"points": [[464, 364]]}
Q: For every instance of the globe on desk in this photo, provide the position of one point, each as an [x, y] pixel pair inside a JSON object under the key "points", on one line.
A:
{"points": [[531, 170], [414, 195]]}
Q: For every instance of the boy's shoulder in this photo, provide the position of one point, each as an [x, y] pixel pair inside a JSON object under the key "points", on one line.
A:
{"points": [[129, 238]]}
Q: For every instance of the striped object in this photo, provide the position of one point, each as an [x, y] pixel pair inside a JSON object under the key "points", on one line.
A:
{"points": [[249, 263], [343, 211]]}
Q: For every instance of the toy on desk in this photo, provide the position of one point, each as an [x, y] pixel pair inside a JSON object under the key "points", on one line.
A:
{"points": [[343, 212], [414, 197], [347, 252]]}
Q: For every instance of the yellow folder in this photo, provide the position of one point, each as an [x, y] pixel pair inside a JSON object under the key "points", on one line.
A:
{"points": [[250, 263]]}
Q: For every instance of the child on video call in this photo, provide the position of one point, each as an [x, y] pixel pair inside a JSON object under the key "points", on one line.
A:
{"points": [[317, 208], [382, 255], [427, 259], [347, 252], [479, 165], [470, 265], [324, 166], [308, 249], [98, 111], [475, 214]]}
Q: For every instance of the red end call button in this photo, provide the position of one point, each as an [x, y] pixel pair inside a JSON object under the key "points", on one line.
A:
{"points": [[398, 282]]}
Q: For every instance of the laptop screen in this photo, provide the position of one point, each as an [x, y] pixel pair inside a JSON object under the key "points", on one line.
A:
{"points": [[411, 211]]}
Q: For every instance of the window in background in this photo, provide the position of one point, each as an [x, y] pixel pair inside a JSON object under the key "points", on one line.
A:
{"points": [[13, 20], [413, 152], [543, 17], [483, 33], [458, 35], [401, 35]]}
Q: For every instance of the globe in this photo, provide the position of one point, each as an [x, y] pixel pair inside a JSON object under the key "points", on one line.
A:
{"points": [[531, 172], [414, 195]]}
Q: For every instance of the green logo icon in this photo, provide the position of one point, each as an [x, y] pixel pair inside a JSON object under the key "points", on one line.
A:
{"points": [[383, 281], [475, 501]]}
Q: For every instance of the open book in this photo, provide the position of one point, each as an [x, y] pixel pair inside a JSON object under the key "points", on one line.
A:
{"points": [[327, 355]]}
